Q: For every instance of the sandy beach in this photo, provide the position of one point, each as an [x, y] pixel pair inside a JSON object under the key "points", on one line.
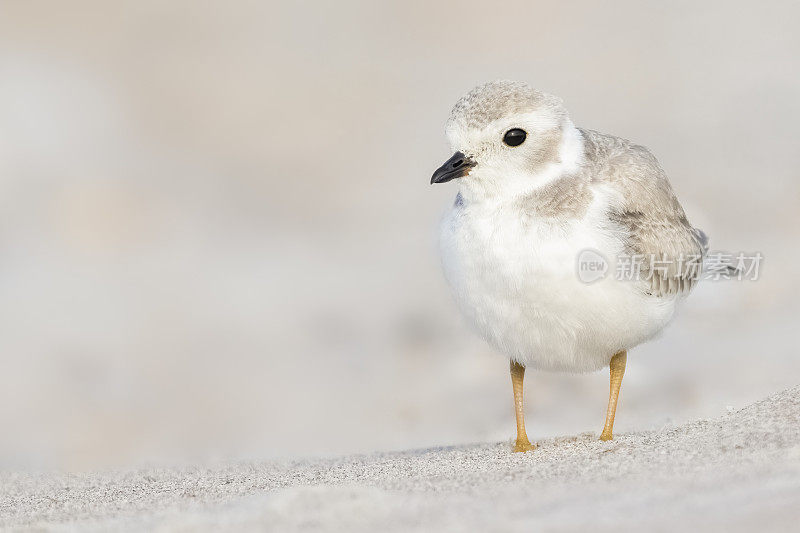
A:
{"points": [[735, 473]]}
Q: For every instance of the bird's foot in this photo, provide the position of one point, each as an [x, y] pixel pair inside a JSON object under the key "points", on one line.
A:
{"points": [[523, 446], [606, 435]]}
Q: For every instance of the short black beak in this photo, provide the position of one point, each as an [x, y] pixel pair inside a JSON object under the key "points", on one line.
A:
{"points": [[457, 166]]}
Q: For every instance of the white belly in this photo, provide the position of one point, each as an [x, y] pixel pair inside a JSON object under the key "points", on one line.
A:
{"points": [[516, 282]]}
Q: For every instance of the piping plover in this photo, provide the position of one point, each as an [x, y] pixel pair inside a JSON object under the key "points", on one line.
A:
{"points": [[535, 194]]}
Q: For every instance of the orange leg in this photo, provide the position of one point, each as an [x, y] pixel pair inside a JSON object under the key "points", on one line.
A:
{"points": [[617, 368], [517, 376]]}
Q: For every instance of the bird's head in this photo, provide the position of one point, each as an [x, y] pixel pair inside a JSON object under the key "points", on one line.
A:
{"points": [[505, 136]]}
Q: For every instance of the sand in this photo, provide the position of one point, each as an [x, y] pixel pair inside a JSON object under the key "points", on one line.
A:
{"points": [[738, 472]]}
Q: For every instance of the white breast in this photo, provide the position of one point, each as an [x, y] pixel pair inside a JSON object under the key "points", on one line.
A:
{"points": [[515, 279]]}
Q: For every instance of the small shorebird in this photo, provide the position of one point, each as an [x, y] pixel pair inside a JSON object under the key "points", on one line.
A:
{"points": [[537, 193]]}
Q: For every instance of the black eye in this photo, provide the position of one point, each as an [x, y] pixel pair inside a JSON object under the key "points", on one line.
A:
{"points": [[514, 137]]}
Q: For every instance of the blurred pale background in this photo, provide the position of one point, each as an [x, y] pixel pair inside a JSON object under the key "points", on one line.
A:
{"points": [[217, 233]]}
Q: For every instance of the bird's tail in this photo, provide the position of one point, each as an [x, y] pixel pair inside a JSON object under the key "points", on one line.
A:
{"points": [[718, 263]]}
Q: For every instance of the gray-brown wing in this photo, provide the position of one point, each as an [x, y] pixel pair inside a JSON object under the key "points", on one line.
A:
{"points": [[668, 251], [656, 231]]}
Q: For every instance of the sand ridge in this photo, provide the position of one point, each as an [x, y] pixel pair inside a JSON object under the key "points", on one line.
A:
{"points": [[736, 472]]}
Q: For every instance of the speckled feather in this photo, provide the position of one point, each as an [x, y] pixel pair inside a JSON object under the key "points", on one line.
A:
{"points": [[655, 224]]}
